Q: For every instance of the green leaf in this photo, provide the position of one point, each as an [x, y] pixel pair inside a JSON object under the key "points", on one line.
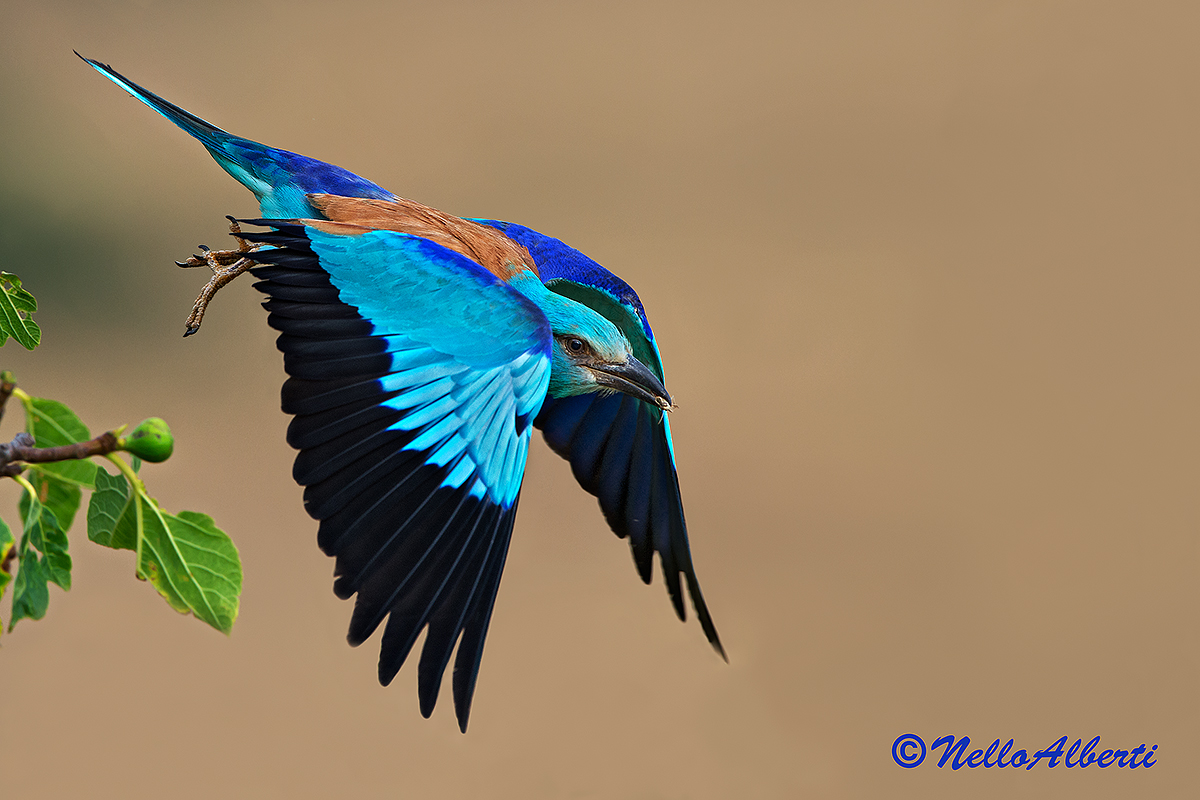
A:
{"points": [[7, 543], [107, 521], [58, 483], [31, 595], [16, 304], [21, 298], [53, 424], [43, 559], [199, 568], [44, 533], [192, 563], [60, 497]]}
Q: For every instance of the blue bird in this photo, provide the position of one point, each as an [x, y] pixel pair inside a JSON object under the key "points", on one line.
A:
{"points": [[421, 349]]}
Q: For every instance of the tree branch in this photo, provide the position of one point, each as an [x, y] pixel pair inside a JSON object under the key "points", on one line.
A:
{"points": [[6, 389], [21, 449]]}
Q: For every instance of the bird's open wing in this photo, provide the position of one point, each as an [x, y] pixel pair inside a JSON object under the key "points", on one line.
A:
{"points": [[620, 450], [414, 375]]}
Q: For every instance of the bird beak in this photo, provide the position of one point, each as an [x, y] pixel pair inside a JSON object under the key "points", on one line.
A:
{"points": [[634, 379]]}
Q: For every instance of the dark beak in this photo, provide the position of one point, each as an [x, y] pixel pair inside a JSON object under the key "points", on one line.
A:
{"points": [[634, 379]]}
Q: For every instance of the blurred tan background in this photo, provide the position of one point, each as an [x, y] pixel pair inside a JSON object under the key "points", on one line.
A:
{"points": [[925, 280]]}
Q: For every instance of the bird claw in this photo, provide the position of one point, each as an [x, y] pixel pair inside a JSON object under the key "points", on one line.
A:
{"points": [[225, 265]]}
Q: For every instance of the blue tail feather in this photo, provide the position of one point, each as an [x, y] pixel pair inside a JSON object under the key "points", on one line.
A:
{"points": [[279, 179]]}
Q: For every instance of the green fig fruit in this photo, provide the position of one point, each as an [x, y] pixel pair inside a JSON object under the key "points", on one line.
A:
{"points": [[150, 441]]}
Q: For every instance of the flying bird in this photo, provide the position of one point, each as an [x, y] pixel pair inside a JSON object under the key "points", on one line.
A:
{"points": [[421, 350]]}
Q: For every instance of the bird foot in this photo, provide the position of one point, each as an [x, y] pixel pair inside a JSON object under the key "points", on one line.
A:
{"points": [[225, 265]]}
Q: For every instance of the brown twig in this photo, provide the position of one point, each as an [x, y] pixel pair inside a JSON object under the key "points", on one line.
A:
{"points": [[21, 451], [6, 389]]}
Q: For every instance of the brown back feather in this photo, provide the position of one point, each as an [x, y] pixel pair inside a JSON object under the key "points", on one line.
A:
{"points": [[484, 245]]}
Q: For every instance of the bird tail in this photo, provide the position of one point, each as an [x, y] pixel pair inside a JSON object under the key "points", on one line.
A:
{"points": [[280, 180], [241, 158], [210, 135]]}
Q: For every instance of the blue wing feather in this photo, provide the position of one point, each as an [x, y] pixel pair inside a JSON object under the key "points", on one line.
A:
{"points": [[409, 429], [619, 448]]}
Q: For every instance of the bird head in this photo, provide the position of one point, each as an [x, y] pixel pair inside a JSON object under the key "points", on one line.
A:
{"points": [[589, 353], [581, 364]]}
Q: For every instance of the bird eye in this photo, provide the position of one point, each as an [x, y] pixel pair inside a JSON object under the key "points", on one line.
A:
{"points": [[573, 345]]}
